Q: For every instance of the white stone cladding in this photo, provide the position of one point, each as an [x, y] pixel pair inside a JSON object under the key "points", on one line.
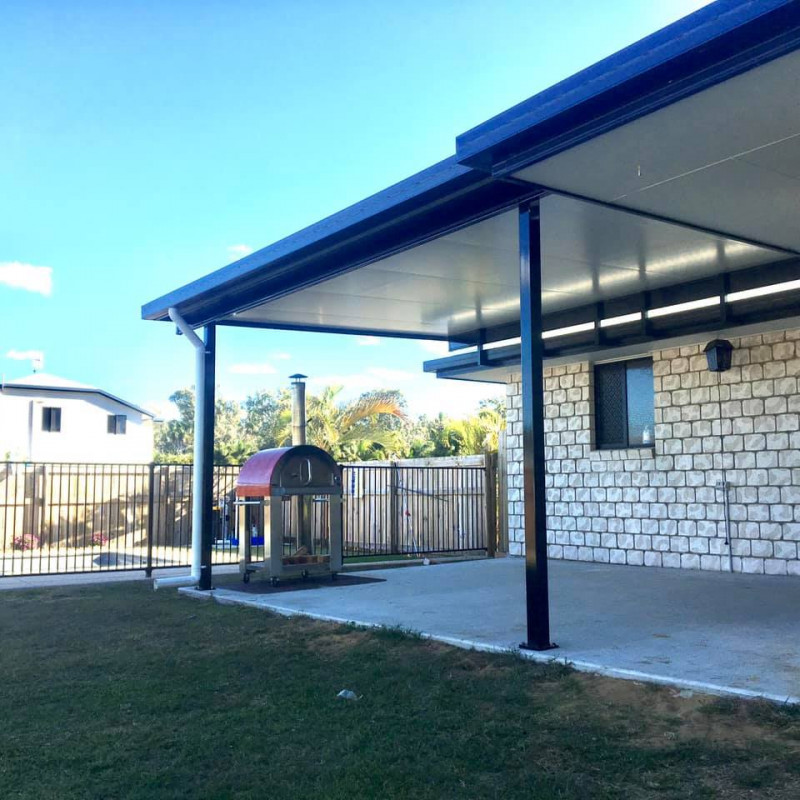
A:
{"points": [[661, 507]]}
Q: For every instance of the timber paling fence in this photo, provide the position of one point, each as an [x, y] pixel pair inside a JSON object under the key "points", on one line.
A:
{"points": [[67, 518]]}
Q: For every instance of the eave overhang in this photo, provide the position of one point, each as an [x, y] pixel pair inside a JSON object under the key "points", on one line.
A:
{"points": [[428, 205], [718, 42]]}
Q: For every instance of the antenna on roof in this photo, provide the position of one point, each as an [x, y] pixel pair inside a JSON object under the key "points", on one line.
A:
{"points": [[37, 362]]}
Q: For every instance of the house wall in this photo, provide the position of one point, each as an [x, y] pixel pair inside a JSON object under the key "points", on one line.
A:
{"points": [[84, 433], [661, 507]]}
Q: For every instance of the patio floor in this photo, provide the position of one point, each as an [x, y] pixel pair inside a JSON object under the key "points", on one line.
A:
{"points": [[737, 634]]}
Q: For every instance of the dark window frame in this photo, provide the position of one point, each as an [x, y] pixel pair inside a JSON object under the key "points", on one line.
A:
{"points": [[51, 419], [117, 424], [623, 442]]}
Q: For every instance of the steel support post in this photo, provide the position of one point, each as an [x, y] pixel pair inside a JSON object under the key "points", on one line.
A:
{"points": [[537, 603], [151, 528], [208, 390]]}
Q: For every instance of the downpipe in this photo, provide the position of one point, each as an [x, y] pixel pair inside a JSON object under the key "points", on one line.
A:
{"points": [[724, 486], [197, 475]]}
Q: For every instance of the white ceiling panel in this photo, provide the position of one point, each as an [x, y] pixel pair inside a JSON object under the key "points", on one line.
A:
{"points": [[782, 158], [470, 279], [727, 159], [757, 203]]}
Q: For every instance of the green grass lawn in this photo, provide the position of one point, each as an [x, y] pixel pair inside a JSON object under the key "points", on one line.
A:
{"points": [[114, 691]]}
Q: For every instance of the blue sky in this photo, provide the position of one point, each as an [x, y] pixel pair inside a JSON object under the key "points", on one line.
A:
{"points": [[143, 144]]}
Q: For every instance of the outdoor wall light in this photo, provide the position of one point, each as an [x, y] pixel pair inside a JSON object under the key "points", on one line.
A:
{"points": [[718, 353]]}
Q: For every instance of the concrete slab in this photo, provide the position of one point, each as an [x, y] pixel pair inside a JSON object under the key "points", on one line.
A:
{"points": [[716, 632]]}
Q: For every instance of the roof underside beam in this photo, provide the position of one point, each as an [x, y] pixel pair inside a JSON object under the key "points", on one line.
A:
{"points": [[733, 299]]}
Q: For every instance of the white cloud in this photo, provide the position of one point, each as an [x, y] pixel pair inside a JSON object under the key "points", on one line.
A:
{"points": [[368, 341], [388, 375], [351, 384], [26, 276], [252, 369], [281, 356], [425, 393], [435, 348], [25, 355], [239, 250], [371, 378], [454, 398], [164, 410]]}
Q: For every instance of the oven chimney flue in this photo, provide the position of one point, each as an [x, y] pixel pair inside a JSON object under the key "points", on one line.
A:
{"points": [[298, 409]]}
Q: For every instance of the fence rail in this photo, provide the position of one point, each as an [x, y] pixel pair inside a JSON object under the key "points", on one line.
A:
{"points": [[64, 517]]}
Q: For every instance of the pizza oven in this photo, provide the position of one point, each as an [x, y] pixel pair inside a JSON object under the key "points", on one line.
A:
{"points": [[289, 513]]}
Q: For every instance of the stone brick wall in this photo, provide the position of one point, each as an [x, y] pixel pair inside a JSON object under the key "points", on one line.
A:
{"points": [[661, 506]]}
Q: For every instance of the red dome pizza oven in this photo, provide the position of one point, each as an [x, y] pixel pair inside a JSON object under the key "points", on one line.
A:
{"points": [[289, 508]]}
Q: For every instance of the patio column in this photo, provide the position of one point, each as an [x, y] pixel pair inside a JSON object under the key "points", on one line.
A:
{"points": [[537, 602], [207, 422]]}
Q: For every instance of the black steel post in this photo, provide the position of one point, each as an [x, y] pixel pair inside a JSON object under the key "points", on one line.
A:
{"points": [[207, 533], [394, 510], [490, 491], [533, 455], [151, 480]]}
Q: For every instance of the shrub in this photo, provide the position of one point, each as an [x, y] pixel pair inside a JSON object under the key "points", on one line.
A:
{"points": [[26, 541], [98, 539]]}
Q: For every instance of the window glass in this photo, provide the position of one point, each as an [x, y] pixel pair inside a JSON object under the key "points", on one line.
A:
{"points": [[641, 402], [117, 423], [624, 404], [51, 419]]}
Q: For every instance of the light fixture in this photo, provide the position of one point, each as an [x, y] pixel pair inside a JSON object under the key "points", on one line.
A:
{"points": [[718, 353]]}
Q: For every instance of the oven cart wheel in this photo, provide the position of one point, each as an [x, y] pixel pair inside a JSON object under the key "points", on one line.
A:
{"points": [[274, 581], [246, 577], [304, 574]]}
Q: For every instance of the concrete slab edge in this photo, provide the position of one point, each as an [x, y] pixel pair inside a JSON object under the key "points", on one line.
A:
{"points": [[363, 566], [542, 658]]}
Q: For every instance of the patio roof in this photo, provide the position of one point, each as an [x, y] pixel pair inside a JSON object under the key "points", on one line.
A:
{"points": [[708, 47], [640, 191], [653, 195], [430, 204]]}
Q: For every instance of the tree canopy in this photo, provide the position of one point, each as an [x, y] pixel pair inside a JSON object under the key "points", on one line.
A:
{"points": [[374, 426]]}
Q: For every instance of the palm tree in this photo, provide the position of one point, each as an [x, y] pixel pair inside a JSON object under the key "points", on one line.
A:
{"points": [[346, 430], [492, 417]]}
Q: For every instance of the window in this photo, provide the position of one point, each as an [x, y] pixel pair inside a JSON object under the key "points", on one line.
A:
{"points": [[117, 423], [624, 402], [51, 419]]}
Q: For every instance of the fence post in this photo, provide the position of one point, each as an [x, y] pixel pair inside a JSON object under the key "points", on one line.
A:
{"points": [[502, 493], [490, 488], [150, 527], [394, 548]]}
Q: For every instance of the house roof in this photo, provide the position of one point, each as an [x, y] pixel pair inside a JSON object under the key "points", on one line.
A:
{"points": [[44, 382]]}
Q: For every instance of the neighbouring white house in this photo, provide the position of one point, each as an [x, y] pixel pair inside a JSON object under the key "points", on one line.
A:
{"points": [[47, 418]]}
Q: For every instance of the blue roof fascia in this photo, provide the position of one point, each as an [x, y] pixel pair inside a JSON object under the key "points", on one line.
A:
{"points": [[467, 363], [437, 180], [721, 40]]}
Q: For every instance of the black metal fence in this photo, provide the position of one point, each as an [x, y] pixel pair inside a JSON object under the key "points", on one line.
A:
{"points": [[390, 509], [62, 518]]}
